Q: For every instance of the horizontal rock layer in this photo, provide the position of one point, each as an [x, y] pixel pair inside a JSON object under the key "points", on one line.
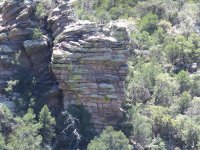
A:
{"points": [[87, 59], [89, 63]]}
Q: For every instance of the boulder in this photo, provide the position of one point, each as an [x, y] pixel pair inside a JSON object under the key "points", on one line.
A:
{"points": [[192, 67], [3, 37], [33, 46]]}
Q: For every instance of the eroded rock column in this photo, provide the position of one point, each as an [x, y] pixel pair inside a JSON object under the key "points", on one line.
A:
{"points": [[89, 62]]}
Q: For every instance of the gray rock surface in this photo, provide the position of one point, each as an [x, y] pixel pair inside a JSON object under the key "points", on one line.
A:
{"points": [[88, 60], [19, 49], [89, 63]]}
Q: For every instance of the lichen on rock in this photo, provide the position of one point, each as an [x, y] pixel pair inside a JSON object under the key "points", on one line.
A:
{"points": [[89, 63], [87, 59]]}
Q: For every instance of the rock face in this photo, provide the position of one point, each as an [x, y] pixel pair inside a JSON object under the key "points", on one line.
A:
{"points": [[88, 60], [19, 49], [89, 63]]}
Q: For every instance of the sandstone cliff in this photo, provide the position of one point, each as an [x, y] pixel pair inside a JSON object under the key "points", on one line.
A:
{"points": [[88, 60]]}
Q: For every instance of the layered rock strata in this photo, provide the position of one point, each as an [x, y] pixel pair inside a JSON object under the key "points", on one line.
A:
{"points": [[18, 48], [89, 63], [87, 59]]}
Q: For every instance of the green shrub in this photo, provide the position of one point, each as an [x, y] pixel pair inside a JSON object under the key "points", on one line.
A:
{"points": [[141, 81], [183, 102], [165, 25], [142, 40], [43, 8], [157, 144], [6, 121], [172, 52], [48, 123], [103, 16], [37, 33], [137, 125], [40, 10], [164, 89], [149, 22], [26, 133], [188, 132], [184, 80], [195, 86], [31, 92], [116, 12], [110, 139], [18, 129]]}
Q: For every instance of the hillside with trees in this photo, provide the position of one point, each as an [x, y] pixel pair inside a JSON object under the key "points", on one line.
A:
{"points": [[161, 108]]}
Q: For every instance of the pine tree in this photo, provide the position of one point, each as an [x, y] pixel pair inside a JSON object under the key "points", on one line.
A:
{"points": [[48, 125], [26, 135]]}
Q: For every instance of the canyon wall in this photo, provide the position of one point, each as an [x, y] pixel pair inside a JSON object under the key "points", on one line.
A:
{"points": [[83, 59]]}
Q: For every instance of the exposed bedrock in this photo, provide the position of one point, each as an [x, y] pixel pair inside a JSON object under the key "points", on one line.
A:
{"points": [[86, 59], [89, 63], [19, 49]]}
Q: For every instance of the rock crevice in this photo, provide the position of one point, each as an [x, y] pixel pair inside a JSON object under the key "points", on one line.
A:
{"points": [[18, 49]]}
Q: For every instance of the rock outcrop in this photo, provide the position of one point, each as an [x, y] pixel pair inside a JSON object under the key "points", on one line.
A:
{"points": [[86, 59], [89, 63], [18, 48]]}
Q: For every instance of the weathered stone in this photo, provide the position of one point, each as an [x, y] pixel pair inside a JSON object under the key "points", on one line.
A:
{"points": [[7, 102], [4, 59], [5, 49], [20, 34], [91, 64], [32, 46], [192, 67], [17, 23], [3, 37], [88, 60]]}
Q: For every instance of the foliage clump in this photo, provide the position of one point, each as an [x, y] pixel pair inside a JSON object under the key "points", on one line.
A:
{"points": [[26, 132], [37, 33], [161, 110], [110, 139], [29, 90], [43, 8]]}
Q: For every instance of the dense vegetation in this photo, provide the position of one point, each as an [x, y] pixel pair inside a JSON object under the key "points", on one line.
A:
{"points": [[161, 110]]}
